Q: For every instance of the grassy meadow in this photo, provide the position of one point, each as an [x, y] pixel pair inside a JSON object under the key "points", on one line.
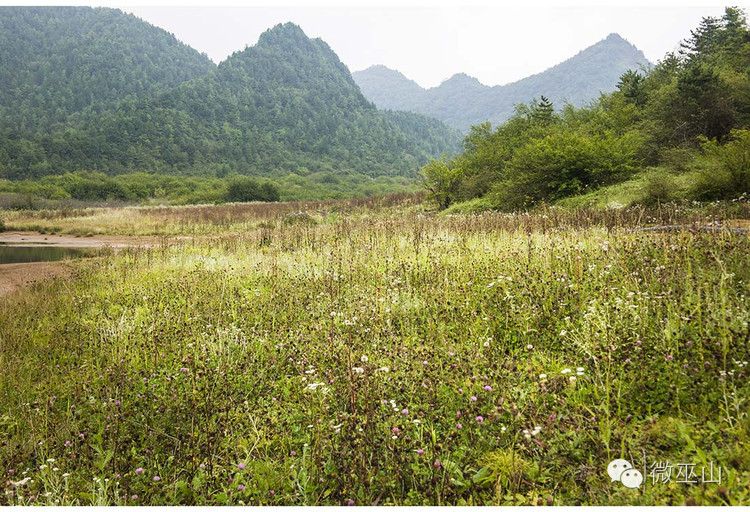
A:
{"points": [[371, 352]]}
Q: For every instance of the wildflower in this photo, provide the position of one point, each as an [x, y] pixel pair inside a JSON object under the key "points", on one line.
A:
{"points": [[139, 471], [669, 357], [473, 399], [395, 430], [68, 443], [364, 359], [563, 333], [503, 429], [350, 502], [157, 478], [437, 464], [460, 391], [134, 497], [459, 426], [201, 465], [65, 475], [241, 465], [240, 487], [292, 453], [542, 375], [480, 419], [566, 370], [425, 363], [405, 411], [420, 452], [487, 388], [579, 369], [529, 346], [50, 460], [384, 369], [627, 361], [357, 369], [572, 378]]}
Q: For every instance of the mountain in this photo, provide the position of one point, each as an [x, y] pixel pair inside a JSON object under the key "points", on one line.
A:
{"points": [[287, 104], [462, 101], [55, 62]]}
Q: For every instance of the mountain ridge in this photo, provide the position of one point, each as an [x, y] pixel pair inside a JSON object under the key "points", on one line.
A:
{"points": [[285, 105], [462, 100]]}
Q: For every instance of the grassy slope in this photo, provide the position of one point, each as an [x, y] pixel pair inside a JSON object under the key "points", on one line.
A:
{"points": [[198, 359]]}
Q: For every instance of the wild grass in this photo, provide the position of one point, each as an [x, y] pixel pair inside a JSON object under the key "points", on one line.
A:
{"points": [[382, 355]]}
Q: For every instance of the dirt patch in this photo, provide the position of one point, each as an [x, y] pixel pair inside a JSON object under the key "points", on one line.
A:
{"points": [[30, 239], [19, 275]]}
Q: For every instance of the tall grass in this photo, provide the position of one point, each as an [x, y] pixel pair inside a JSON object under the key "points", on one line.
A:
{"points": [[377, 354]]}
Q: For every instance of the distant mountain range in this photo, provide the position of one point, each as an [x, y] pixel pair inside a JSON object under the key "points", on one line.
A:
{"points": [[462, 101], [98, 89]]}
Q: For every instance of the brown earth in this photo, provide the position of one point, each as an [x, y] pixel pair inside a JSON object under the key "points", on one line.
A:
{"points": [[31, 239], [18, 275]]}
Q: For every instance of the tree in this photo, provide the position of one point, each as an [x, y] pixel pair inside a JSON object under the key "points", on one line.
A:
{"points": [[631, 85], [442, 179]]}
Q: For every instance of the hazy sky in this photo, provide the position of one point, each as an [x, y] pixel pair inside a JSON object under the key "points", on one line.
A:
{"points": [[496, 42]]}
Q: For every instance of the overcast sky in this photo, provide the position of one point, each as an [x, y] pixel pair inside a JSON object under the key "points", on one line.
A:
{"points": [[496, 42]]}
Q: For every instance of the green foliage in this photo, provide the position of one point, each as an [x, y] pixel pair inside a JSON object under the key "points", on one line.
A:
{"points": [[658, 118], [244, 189], [314, 363], [725, 169], [441, 178], [286, 103]]}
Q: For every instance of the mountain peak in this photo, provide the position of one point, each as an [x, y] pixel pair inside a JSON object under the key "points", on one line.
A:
{"points": [[283, 32], [462, 80]]}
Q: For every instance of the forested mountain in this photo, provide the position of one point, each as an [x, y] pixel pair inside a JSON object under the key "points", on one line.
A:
{"points": [[287, 104], [62, 60], [462, 101]]}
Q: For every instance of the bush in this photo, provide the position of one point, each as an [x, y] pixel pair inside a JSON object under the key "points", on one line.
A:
{"points": [[2, 225], [659, 187], [726, 168], [242, 189]]}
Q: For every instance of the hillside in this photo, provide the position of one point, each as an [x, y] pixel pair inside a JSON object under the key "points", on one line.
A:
{"points": [[58, 61], [462, 101], [287, 104]]}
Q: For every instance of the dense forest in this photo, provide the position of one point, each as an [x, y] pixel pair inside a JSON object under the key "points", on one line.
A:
{"points": [[462, 101], [676, 131], [286, 109]]}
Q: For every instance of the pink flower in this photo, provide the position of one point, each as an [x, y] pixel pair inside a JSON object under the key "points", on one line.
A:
{"points": [[139, 471], [459, 426], [405, 412], [157, 478], [240, 487], [480, 419], [437, 464], [473, 399], [420, 452], [395, 430], [241, 465], [487, 388], [292, 453], [350, 502], [134, 497]]}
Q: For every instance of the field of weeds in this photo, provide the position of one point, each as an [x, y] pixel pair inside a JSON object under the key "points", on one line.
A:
{"points": [[371, 353]]}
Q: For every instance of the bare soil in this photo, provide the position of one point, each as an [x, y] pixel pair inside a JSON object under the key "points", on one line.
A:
{"points": [[19, 275]]}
